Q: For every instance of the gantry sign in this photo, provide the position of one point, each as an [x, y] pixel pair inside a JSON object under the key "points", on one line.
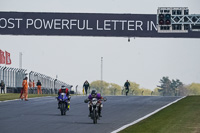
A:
{"points": [[90, 24], [177, 20]]}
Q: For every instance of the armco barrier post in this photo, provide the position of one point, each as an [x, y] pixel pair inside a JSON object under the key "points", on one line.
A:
{"points": [[76, 90]]}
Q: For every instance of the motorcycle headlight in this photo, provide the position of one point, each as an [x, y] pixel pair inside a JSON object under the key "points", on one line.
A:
{"points": [[94, 101]]}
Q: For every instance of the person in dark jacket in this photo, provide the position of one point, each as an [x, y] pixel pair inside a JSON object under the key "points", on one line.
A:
{"points": [[127, 85], [2, 85], [39, 87], [86, 86]]}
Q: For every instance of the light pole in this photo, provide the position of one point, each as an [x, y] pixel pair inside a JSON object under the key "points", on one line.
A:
{"points": [[102, 75], [20, 60]]}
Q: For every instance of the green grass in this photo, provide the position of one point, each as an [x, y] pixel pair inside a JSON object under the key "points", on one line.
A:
{"points": [[11, 96], [181, 117]]}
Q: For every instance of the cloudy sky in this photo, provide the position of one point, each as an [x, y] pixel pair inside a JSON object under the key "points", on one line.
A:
{"points": [[76, 59]]}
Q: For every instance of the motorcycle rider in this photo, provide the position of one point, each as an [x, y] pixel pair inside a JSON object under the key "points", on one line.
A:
{"points": [[94, 94], [65, 90]]}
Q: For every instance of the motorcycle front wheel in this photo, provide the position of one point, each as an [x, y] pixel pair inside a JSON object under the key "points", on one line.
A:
{"points": [[94, 117], [62, 109]]}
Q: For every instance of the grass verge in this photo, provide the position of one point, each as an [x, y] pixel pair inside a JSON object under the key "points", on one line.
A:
{"points": [[11, 96], [181, 117]]}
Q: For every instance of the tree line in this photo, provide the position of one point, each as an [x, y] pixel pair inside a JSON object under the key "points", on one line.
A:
{"points": [[115, 89], [167, 87]]}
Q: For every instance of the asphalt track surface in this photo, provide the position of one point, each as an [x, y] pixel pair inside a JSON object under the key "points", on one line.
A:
{"points": [[40, 115]]}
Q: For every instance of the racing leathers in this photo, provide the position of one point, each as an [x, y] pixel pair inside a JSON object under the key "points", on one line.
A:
{"points": [[98, 96], [66, 91]]}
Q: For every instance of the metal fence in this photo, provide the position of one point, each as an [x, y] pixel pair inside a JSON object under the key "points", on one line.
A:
{"points": [[13, 78], [47, 81]]}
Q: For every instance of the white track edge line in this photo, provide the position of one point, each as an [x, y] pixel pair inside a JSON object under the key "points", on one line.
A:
{"points": [[146, 116], [20, 99]]}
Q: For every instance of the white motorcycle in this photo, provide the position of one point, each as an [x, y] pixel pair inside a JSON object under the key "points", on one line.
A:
{"points": [[95, 105]]}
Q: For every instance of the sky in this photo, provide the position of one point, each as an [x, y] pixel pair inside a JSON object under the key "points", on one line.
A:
{"points": [[76, 59]]}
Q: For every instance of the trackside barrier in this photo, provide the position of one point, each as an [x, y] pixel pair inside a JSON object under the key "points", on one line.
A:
{"points": [[13, 78], [49, 85]]}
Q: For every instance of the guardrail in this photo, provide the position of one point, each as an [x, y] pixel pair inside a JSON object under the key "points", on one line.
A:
{"points": [[13, 78]]}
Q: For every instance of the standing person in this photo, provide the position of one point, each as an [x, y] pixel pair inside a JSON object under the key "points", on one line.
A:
{"points": [[33, 84], [127, 85], [86, 85], [34, 91], [2, 85], [24, 89], [39, 87], [30, 84]]}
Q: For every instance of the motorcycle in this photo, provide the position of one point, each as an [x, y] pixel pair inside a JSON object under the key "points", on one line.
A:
{"points": [[95, 104], [63, 103]]}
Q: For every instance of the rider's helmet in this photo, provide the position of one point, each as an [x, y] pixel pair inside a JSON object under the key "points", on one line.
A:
{"points": [[63, 87], [94, 93]]}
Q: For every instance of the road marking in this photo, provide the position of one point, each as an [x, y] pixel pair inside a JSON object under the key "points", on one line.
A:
{"points": [[20, 99], [146, 116], [28, 98]]}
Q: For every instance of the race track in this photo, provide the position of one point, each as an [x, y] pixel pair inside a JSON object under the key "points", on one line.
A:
{"points": [[40, 115]]}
